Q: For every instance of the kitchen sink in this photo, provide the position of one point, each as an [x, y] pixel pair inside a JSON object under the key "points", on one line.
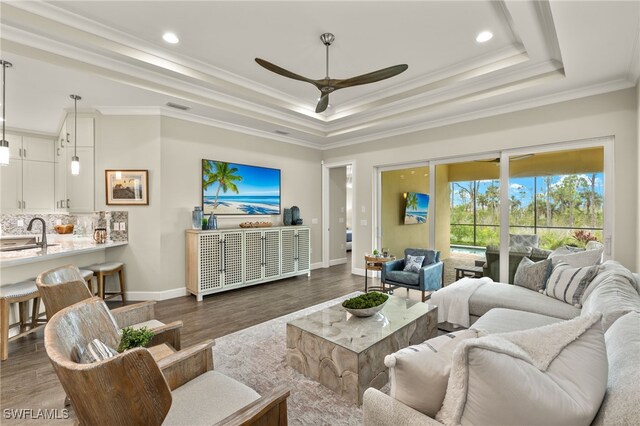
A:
{"points": [[19, 243]]}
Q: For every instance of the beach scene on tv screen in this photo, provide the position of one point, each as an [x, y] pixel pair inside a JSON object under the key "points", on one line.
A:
{"points": [[230, 188], [416, 208]]}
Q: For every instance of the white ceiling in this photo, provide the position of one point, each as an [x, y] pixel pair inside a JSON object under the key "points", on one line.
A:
{"points": [[112, 54]]}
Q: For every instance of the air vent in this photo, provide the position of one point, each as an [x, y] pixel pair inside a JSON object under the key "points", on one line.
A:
{"points": [[178, 106], [281, 132]]}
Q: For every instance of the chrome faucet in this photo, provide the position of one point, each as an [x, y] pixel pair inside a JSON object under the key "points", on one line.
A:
{"points": [[43, 240]]}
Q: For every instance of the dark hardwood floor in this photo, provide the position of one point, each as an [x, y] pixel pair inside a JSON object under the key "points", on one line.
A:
{"points": [[27, 379]]}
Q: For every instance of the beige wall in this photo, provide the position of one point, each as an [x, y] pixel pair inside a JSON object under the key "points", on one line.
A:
{"points": [[396, 236], [337, 215], [172, 151], [603, 115], [638, 176]]}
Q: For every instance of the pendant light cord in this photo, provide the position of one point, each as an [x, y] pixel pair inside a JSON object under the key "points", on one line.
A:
{"points": [[75, 126], [4, 72]]}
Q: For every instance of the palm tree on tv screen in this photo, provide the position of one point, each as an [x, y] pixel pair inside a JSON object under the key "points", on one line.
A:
{"points": [[221, 173]]}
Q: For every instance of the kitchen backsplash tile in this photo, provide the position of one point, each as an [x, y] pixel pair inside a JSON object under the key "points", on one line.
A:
{"points": [[83, 223]]}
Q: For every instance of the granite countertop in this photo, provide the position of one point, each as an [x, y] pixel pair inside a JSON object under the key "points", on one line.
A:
{"points": [[67, 245], [357, 334]]}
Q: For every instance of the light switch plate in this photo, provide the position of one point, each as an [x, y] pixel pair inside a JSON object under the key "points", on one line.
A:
{"points": [[20, 222], [363, 222], [116, 226], [123, 226], [363, 209], [314, 221]]}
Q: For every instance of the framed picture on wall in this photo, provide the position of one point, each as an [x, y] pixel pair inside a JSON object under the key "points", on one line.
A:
{"points": [[127, 187]]}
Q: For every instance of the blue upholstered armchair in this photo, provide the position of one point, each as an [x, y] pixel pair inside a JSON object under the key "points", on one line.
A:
{"points": [[429, 278]]}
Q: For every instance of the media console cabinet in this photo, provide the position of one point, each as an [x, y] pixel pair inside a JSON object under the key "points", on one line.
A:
{"points": [[224, 259]]}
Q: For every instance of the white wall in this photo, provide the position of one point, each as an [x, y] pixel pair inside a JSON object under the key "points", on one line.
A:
{"points": [[638, 177], [609, 114], [337, 215]]}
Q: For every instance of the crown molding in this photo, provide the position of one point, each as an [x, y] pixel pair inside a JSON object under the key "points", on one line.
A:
{"points": [[595, 89]]}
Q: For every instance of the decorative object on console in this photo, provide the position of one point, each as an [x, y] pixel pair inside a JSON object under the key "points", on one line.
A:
{"points": [[64, 229], [127, 187], [100, 235], [4, 144], [256, 225], [416, 208], [287, 218], [256, 189], [196, 218], [295, 216]]}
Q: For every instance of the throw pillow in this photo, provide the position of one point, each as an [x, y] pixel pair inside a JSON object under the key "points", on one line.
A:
{"points": [[577, 259], [594, 245], [413, 263], [567, 283], [522, 240], [423, 367], [97, 351], [532, 275], [555, 374]]}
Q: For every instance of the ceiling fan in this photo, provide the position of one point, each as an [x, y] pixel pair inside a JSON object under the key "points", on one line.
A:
{"points": [[513, 158], [328, 85]]}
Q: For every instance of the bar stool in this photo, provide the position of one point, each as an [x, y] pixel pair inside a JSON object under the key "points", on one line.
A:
{"points": [[102, 270], [19, 293], [87, 275]]}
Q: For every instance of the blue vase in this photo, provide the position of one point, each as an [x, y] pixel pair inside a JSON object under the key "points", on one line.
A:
{"points": [[287, 217]]}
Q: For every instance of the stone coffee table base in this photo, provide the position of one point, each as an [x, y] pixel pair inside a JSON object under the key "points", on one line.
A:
{"points": [[346, 372]]}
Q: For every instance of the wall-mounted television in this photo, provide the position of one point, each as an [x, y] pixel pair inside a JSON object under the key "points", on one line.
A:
{"points": [[239, 189], [416, 208]]}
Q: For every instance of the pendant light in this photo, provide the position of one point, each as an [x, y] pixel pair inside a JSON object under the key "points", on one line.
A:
{"points": [[4, 144], [75, 161]]}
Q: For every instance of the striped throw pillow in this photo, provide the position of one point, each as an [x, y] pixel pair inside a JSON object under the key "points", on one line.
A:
{"points": [[567, 283], [97, 351]]}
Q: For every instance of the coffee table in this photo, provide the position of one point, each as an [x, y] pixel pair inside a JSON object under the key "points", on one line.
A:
{"points": [[346, 353]]}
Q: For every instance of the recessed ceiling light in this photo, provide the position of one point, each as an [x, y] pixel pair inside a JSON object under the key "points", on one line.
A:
{"points": [[484, 36], [170, 38]]}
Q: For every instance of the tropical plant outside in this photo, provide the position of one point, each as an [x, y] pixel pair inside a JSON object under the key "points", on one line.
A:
{"points": [[562, 209]]}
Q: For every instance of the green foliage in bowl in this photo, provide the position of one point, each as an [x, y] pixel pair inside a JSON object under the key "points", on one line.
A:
{"points": [[134, 338], [365, 301]]}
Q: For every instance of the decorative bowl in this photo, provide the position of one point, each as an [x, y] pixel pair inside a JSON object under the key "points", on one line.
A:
{"points": [[367, 312]]}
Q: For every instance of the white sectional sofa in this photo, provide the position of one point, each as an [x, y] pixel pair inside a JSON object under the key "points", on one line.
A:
{"points": [[497, 308]]}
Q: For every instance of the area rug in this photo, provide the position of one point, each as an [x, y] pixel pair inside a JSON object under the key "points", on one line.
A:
{"points": [[256, 357]]}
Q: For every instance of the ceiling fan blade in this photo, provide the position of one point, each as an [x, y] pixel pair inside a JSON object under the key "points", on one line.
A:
{"points": [[371, 77], [513, 158], [285, 73], [322, 103]]}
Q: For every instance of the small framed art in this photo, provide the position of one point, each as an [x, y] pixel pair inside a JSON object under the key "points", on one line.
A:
{"points": [[127, 187]]}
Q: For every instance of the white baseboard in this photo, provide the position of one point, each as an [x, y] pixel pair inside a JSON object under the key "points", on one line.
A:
{"points": [[360, 271], [317, 265], [157, 295], [335, 262]]}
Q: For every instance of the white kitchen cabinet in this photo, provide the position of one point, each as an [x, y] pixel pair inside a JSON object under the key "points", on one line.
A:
{"points": [[86, 132], [11, 186], [28, 180], [37, 185], [80, 188], [221, 260]]}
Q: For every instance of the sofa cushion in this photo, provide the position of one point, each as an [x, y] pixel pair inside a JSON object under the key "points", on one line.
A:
{"points": [[613, 298], [568, 284], [404, 277], [501, 320], [556, 374], [500, 295], [532, 275], [413, 263], [416, 368], [577, 259], [620, 405], [208, 399]]}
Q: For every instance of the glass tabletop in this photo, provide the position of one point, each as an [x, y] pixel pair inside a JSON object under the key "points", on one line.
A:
{"points": [[357, 334]]}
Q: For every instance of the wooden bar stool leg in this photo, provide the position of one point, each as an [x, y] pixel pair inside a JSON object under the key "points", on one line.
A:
{"points": [[22, 310], [122, 284], [4, 339], [35, 313], [100, 278]]}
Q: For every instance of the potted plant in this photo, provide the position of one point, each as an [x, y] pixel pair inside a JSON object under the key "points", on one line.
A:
{"points": [[366, 304], [134, 338]]}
